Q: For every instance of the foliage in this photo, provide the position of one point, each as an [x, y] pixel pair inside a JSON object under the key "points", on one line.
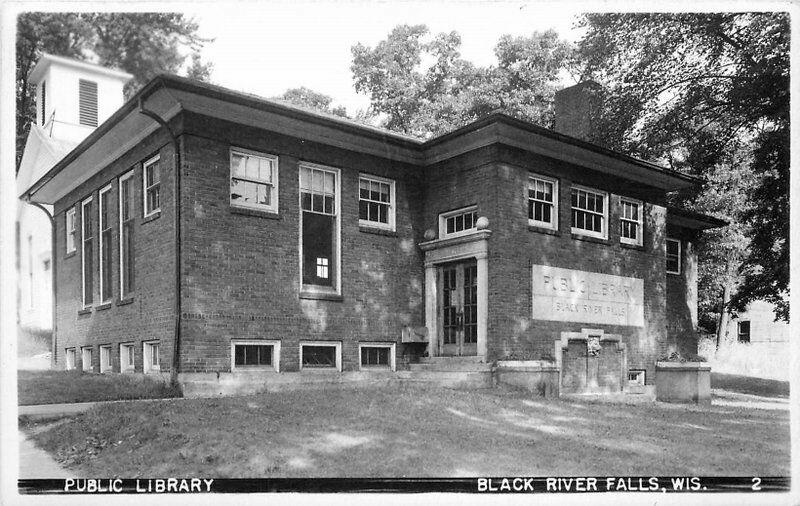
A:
{"points": [[306, 97], [706, 93], [144, 44], [425, 88]]}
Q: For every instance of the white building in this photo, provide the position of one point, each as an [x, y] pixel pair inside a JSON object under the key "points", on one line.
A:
{"points": [[72, 98]]}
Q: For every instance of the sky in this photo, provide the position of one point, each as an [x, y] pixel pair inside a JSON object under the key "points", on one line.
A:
{"points": [[267, 48]]}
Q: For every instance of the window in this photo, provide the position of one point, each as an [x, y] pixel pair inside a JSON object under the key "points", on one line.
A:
{"points": [[630, 221], [377, 355], [86, 359], [105, 244], [126, 357], [589, 212], [636, 377], [376, 202], [69, 355], [105, 358], [86, 252], [458, 222], [255, 354], [152, 359], [321, 355], [319, 191], [673, 256], [543, 202], [254, 180], [126, 245], [87, 102], [44, 99], [152, 186], [71, 229], [743, 335]]}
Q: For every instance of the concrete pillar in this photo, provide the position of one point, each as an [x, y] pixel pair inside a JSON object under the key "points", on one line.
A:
{"points": [[483, 305], [430, 310]]}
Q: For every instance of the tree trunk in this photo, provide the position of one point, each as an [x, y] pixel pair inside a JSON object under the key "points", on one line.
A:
{"points": [[724, 317]]}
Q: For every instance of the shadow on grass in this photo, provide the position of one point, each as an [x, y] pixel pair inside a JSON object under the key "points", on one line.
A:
{"points": [[750, 385]]}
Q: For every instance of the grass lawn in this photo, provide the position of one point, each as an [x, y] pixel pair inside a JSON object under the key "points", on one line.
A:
{"points": [[52, 387], [749, 385], [417, 431]]}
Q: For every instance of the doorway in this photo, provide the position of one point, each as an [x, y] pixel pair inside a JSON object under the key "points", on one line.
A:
{"points": [[458, 309]]}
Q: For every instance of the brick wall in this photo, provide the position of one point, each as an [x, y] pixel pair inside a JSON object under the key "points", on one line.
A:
{"points": [[682, 296], [241, 274], [499, 189], [148, 314]]}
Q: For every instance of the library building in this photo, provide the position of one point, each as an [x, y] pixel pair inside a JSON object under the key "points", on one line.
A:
{"points": [[209, 235]]}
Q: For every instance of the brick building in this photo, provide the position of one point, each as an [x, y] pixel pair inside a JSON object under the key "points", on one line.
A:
{"points": [[292, 240]]}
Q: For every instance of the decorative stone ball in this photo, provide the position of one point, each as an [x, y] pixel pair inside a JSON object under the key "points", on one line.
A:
{"points": [[482, 223], [430, 234]]}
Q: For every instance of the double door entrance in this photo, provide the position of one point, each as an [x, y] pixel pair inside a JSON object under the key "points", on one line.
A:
{"points": [[458, 309]]}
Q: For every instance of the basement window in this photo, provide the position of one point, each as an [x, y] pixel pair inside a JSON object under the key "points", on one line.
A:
{"points": [[152, 357], [126, 357], [86, 359], [377, 356], [673, 256], [69, 357], [105, 358], [254, 354], [636, 377], [321, 355]]}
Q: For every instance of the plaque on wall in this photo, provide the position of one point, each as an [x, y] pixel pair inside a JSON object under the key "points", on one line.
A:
{"points": [[569, 295]]}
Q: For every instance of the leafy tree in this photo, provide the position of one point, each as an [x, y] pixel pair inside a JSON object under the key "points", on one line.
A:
{"points": [[690, 90], [308, 98], [199, 70], [425, 88], [143, 44]]}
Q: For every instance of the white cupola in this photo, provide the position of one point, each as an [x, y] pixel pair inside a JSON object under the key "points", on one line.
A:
{"points": [[73, 97]]}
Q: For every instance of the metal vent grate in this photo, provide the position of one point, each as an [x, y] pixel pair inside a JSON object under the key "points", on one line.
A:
{"points": [[87, 103]]}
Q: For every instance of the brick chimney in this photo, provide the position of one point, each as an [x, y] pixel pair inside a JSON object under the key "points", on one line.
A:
{"points": [[576, 109]]}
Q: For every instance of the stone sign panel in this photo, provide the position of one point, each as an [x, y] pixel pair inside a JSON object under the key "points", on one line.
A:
{"points": [[568, 295]]}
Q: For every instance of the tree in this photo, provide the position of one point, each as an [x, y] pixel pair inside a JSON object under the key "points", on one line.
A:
{"points": [[424, 99], [689, 90], [308, 98], [199, 70], [144, 44]]}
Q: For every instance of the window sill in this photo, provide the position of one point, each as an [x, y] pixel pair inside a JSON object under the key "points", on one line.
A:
{"points": [[320, 370], [260, 213], [626, 245], [588, 238], [126, 300], [104, 305], [543, 230], [321, 296], [376, 230], [151, 217], [83, 311], [70, 254]]}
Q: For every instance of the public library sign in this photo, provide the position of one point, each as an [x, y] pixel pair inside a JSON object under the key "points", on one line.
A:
{"points": [[568, 295]]}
